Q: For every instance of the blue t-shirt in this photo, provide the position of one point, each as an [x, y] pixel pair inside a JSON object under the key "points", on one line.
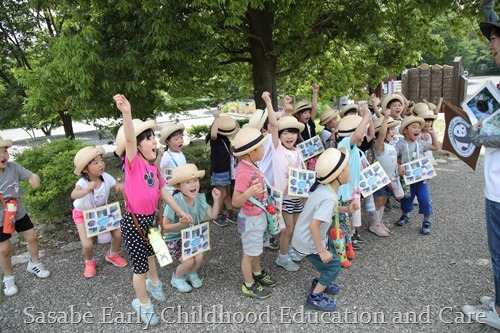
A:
{"points": [[198, 211], [346, 190]]}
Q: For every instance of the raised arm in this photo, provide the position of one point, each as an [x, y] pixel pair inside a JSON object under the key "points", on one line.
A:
{"points": [[359, 133], [128, 126], [215, 125], [382, 133], [271, 116]]}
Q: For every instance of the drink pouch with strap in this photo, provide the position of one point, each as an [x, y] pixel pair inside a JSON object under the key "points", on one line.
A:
{"points": [[270, 211], [9, 217]]}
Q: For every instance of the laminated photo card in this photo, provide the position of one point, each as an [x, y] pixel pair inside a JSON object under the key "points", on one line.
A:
{"points": [[491, 126], [195, 240], [311, 147], [167, 173], [102, 219], [276, 196], [484, 104], [372, 179], [418, 170], [300, 181]]}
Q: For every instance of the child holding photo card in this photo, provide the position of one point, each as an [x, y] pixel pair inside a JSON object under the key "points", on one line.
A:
{"points": [[91, 191], [410, 149], [285, 134], [386, 154], [252, 219], [311, 233], [186, 179]]}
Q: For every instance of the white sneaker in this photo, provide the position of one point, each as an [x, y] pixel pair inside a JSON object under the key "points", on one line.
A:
{"points": [[38, 269], [9, 286]]}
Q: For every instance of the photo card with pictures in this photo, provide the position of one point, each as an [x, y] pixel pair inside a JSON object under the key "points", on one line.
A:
{"points": [[167, 173], [300, 181], [311, 147], [418, 170], [484, 104], [195, 240], [102, 219], [276, 196], [372, 179]]}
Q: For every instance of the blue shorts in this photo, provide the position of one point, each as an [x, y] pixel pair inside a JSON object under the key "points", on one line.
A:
{"points": [[383, 192], [421, 191], [220, 179]]}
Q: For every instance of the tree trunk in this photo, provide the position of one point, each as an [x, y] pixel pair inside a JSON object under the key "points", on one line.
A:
{"points": [[261, 24], [67, 124]]}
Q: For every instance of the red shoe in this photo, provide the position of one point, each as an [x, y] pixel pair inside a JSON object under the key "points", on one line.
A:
{"points": [[346, 264], [349, 251], [90, 270], [116, 259]]}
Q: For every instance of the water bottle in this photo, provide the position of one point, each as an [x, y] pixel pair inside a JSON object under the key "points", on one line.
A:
{"points": [[9, 218], [159, 246]]}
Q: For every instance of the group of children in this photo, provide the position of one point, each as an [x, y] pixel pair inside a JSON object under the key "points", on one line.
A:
{"points": [[266, 149]]}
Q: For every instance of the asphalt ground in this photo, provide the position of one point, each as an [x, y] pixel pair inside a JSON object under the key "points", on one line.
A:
{"points": [[404, 283]]}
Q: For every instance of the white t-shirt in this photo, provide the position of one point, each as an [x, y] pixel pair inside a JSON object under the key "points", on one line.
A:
{"points": [[266, 164], [321, 206], [389, 160], [492, 174], [98, 197], [172, 159]]}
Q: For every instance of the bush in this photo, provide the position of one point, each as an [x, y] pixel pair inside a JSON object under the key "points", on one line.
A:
{"points": [[198, 131], [53, 162]]}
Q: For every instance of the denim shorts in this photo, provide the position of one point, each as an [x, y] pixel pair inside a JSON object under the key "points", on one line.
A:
{"points": [[220, 179], [383, 192]]}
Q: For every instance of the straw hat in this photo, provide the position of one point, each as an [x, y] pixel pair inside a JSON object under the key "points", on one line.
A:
{"points": [[377, 102], [290, 122], [330, 164], [422, 110], [432, 106], [390, 123], [327, 116], [301, 106], [248, 139], [486, 27], [84, 156], [139, 127], [227, 126], [349, 107], [348, 125], [5, 143], [185, 172], [258, 119], [409, 120], [168, 130], [389, 98]]}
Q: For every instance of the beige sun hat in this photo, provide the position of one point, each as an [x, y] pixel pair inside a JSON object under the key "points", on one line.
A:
{"points": [[301, 106], [185, 172], [248, 139], [330, 164], [5, 143], [409, 120], [348, 125], [85, 156], [290, 122], [377, 102], [432, 106], [387, 99], [168, 130], [327, 116], [258, 119], [390, 123], [422, 110], [227, 126], [349, 107], [139, 127]]}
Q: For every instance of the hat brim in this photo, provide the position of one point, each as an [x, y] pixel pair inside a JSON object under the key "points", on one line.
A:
{"points": [[329, 118], [259, 141], [390, 98], [391, 124], [6, 143], [290, 122], [302, 106], [166, 134], [120, 136], [487, 26], [186, 177], [337, 169], [258, 119]]}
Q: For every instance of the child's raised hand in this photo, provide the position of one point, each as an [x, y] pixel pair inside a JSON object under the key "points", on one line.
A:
{"points": [[160, 150], [266, 96], [216, 113], [34, 180], [288, 108], [288, 100], [122, 103], [326, 256], [364, 111], [315, 88], [387, 112], [215, 194], [425, 136], [255, 188]]}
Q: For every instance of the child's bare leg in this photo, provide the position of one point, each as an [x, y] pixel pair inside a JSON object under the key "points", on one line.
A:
{"points": [[139, 282], [32, 239], [227, 200], [185, 267], [286, 236], [198, 260], [116, 240], [256, 264], [246, 268], [87, 243], [6, 257], [152, 273]]}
